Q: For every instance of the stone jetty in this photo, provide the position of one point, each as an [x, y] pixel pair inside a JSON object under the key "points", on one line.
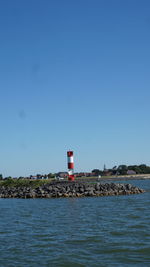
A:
{"points": [[69, 189]]}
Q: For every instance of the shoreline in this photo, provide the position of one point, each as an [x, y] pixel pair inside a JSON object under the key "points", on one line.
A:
{"points": [[116, 178]]}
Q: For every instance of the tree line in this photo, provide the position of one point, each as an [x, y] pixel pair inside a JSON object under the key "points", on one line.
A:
{"points": [[116, 170], [123, 170]]}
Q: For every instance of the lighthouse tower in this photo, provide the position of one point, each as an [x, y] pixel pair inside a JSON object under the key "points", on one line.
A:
{"points": [[70, 165]]}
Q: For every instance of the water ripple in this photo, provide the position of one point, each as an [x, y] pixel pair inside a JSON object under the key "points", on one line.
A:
{"points": [[108, 231]]}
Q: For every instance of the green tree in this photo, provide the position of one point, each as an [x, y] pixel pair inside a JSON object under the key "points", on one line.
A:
{"points": [[51, 175], [1, 176], [122, 169], [143, 168], [97, 172]]}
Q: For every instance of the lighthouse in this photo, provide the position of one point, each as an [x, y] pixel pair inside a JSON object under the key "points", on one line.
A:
{"points": [[70, 165]]}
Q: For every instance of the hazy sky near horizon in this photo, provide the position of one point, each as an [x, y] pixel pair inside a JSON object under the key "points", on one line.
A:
{"points": [[74, 75]]}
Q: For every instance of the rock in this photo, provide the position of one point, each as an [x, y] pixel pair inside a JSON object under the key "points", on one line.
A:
{"points": [[69, 189], [81, 190], [65, 195]]}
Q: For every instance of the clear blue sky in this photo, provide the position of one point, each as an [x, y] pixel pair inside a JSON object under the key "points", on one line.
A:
{"points": [[74, 74]]}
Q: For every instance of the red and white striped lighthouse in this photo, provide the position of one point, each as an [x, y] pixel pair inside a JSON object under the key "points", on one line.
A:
{"points": [[70, 165]]}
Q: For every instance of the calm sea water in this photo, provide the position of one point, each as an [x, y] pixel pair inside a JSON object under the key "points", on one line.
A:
{"points": [[98, 231]]}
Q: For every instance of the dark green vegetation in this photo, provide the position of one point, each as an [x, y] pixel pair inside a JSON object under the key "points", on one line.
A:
{"points": [[23, 183], [123, 170]]}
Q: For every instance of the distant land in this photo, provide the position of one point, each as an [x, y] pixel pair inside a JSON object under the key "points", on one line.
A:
{"points": [[120, 170]]}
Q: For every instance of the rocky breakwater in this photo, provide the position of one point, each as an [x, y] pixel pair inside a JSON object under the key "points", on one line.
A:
{"points": [[69, 189]]}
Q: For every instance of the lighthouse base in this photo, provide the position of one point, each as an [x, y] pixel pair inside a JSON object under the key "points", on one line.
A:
{"points": [[71, 177]]}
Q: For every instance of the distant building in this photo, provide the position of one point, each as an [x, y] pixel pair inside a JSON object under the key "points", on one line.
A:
{"points": [[38, 177], [62, 174], [85, 174]]}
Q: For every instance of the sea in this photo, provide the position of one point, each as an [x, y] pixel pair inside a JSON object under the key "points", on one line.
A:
{"points": [[72, 232]]}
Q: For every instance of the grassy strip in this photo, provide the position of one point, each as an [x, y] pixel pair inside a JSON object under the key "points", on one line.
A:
{"points": [[36, 183], [23, 183]]}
